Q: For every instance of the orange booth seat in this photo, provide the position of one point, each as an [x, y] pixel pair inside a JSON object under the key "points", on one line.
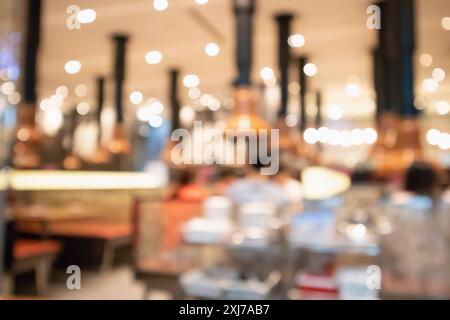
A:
{"points": [[85, 229], [36, 256], [157, 242], [113, 235]]}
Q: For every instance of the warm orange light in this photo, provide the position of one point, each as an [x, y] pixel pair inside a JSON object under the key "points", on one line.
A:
{"points": [[244, 116], [26, 148], [398, 145], [101, 156], [119, 144], [72, 162]]}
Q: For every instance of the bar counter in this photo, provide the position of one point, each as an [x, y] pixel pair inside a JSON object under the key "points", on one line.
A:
{"points": [[63, 195]]}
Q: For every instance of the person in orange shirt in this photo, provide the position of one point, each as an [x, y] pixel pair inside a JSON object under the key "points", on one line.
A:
{"points": [[189, 190], [186, 190]]}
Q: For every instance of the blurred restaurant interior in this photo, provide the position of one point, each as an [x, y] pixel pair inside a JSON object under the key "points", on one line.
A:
{"points": [[224, 149]]}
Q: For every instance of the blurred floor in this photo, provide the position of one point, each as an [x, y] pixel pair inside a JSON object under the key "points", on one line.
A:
{"points": [[117, 283]]}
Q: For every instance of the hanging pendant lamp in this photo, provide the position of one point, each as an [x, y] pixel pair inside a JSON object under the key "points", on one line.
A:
{"points": [[244, 116], [101, 155], [72, 161], [27, 145], [119, 144], [399, 130]]}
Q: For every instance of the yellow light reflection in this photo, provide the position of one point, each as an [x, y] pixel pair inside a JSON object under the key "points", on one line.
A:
{"points": [[79, 180]]}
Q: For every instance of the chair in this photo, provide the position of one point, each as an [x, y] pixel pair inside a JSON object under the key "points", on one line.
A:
{"points": [[37, 256], [158, 255], [24, 255], [112, 235]]}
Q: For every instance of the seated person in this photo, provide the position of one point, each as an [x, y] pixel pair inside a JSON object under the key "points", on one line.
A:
{"points": [[292, 188], [422, 179], [225, 178], [254, 187], [188, 190], [416, 255], [9, 230]]}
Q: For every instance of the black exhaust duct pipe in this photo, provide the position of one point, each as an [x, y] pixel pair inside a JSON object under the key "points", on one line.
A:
{"points": [[26, 153], [100, 100], [244, 10], [381, 67], [33, 35], [284, 26], [119, 144], [119, 73], [319, 109], [303, 81], [173, 98], [400, 49]]}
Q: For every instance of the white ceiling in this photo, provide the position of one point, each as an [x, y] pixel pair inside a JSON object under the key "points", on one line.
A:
{"points": [[337, 41]]}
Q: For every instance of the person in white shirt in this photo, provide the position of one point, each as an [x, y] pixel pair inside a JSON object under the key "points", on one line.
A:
{"points": [[254, 187], [292, 188], [415, 256]]}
